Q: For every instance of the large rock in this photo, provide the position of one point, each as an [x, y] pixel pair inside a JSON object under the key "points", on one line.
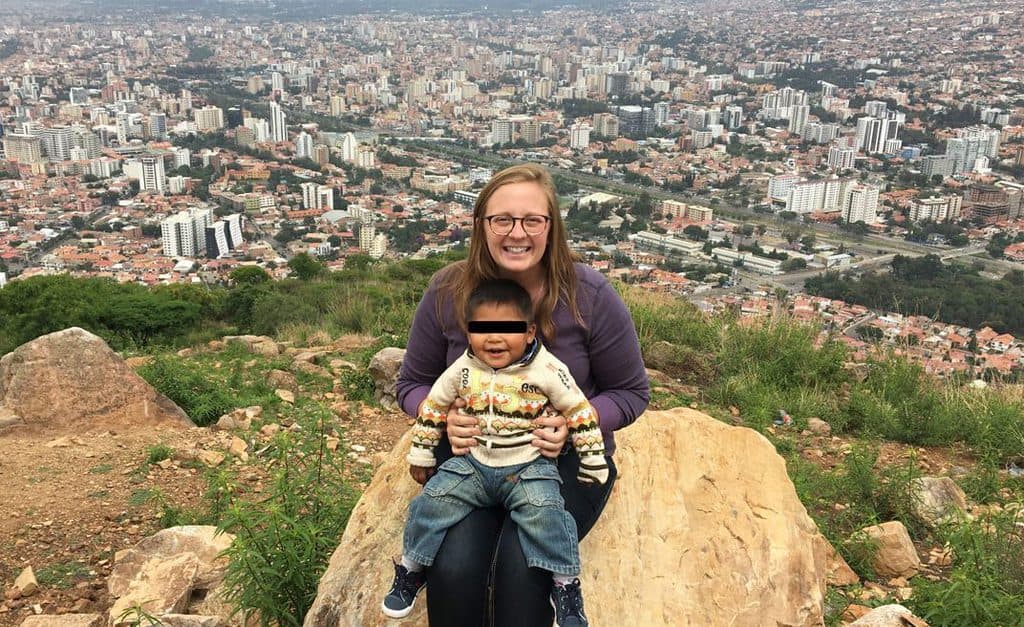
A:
{"points": [[889, 616], [383, 369], [704, 528], [893, 552], [201, 541], [72, 380], [161, 587], [937, 500]]}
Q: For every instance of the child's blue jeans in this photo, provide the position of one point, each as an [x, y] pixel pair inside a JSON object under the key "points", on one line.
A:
{"points": [[530, 492]]}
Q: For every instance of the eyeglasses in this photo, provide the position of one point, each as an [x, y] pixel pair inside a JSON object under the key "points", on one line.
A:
{"points": [[503, 225]]}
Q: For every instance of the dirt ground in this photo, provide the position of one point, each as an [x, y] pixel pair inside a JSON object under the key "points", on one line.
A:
{"points": [[69, 501]]}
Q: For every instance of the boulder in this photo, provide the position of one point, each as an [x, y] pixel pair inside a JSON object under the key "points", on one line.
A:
{"points": [[283, 380], [161, 586], [889, 616], [384, 369], [937, 500], [201, 541], [704, 527], [893, 553], [817, 426], [71, 380]]}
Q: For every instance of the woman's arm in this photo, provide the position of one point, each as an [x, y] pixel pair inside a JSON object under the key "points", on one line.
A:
{"points": [[616, 364], [425, 356]]}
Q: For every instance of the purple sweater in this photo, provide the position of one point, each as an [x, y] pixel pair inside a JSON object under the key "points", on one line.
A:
{"points": [[603, 357]]}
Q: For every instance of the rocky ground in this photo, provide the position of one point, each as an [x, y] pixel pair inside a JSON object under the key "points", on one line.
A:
{"points": [[71, 502]]}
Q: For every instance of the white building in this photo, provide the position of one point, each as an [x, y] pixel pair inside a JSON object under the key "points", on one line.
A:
{"points": [[938, 209], [841, 157], [860, 203], [209, 119], [579, 136], [304, 145], [349, 146], [184, 234], [278, 127], [316, 196]]}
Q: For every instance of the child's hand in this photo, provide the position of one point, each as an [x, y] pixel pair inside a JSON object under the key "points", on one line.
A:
{"points": [[420, 474]]}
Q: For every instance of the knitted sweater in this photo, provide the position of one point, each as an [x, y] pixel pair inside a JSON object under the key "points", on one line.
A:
{"points": [[506, 401]]}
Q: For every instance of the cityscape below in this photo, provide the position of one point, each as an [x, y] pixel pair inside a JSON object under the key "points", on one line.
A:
{"points": [[748, 156]]}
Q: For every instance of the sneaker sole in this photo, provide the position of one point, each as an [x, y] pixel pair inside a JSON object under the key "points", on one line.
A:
{"points": [[390, 613]]}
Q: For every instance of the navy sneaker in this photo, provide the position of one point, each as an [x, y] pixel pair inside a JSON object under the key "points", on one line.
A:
{"points": [[399, 601], [568, 603]]}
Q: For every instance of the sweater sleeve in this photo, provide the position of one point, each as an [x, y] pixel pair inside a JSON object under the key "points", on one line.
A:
{"points": [[615, 361], [585, 433], [433, 418], [425, 355]]}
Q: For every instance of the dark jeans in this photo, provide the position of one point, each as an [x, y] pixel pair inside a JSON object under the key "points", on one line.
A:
{"points": [[480, 577]]}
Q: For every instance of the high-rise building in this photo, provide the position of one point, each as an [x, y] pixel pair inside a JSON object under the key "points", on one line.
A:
{"points": [[338, 105], [58, 142], [349, 146], [185, 102], [260, 129], [148, 170], [501, 131], [223, 236], [733, 117], [825, 195], [233, 117], [798, 118], [635, 121], [860, 204], [158, 125], [970, 145], [529, 131], [184, 234], [606, 125], [579, 136], [315, 196], [841, 157], [989, 202], [304, 145], [936, 209], [209, 119], [22, 148], [278, 128], [123, 128]]}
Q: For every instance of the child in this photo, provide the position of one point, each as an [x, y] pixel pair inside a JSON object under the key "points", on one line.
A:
{"points": [[506, 378]]}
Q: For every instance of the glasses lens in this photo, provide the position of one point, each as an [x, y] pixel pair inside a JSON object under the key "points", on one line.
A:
{"points": [[534, 225], [501, 225]]}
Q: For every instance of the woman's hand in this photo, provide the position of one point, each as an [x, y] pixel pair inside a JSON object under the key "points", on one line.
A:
{"points": [[462, 430], [550, 434]]}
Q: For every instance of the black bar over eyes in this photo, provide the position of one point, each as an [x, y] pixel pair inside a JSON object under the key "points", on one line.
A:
{"points": [[498, 326]]}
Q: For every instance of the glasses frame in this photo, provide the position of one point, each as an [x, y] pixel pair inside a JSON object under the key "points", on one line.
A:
{"points": [[521, 221]]}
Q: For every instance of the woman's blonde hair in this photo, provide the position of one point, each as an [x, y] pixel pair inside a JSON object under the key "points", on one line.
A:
{"points": [[459, 280]]}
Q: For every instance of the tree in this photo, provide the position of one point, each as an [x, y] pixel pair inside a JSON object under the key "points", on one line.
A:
{"points": [[249, 275], [694, 232], [794, 263], [808, 241], [304, 267], [791, 234]]}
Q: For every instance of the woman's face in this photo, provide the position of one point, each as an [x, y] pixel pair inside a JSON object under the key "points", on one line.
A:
{"points": [[518, 252]]}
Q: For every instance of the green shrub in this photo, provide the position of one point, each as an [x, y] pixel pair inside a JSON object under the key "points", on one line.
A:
{"points": [[158, 453], [201, 396], [986, 584], [283, 542], [898, 401]]}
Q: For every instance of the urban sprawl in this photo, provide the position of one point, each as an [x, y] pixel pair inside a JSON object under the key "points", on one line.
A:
{"points": [[724, 152]]}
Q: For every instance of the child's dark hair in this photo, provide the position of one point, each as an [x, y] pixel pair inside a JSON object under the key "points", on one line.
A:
{"points": [[501, 292]]}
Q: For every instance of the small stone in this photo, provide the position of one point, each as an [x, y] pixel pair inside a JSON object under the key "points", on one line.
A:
{"points": [[285, 395], [210, 458], [239, 448], [62, 442], [225, 423], [818, 426], [26, 583], [331, 443], [358, 448], [853, 612], [735, 411], [270, 430], [165, 464]]}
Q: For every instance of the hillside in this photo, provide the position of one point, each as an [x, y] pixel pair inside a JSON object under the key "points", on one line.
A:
{"points": [[887, 426]]}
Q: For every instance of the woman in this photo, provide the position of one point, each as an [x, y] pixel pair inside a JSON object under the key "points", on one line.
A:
{"points": [[480, 576]]}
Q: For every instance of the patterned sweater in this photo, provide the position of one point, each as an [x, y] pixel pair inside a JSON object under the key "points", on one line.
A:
{"points": [[505, 402]]}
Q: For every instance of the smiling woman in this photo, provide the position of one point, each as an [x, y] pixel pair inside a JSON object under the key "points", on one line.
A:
{"points": [[480, 575]]}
